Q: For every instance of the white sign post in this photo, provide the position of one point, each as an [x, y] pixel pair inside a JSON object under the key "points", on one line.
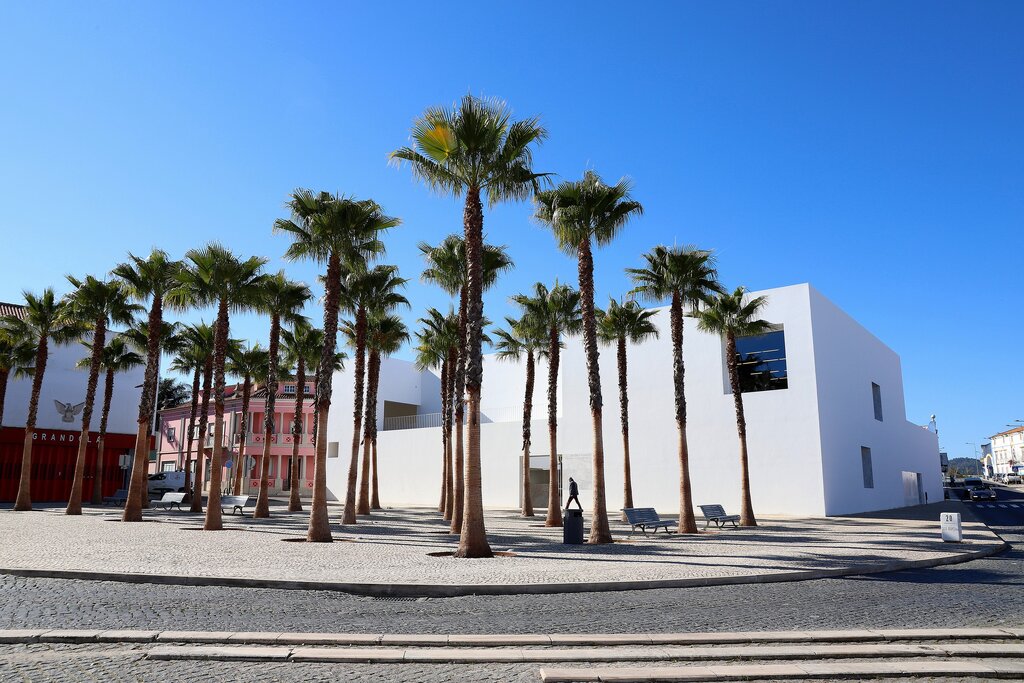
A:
{"points": [[951, 530]]}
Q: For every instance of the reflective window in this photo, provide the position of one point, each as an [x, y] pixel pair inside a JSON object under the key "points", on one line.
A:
{"points": [[876, 397], [762, 361], [865, 464]]}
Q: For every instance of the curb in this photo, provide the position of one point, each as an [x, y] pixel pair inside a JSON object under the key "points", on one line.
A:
{"points": [[416, 590]]}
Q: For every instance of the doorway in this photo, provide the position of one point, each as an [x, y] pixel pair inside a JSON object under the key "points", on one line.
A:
{"points": [[540, 479]]}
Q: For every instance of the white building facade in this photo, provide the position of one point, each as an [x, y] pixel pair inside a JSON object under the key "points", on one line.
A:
{"points": [[1008, 451], [826, 425]]}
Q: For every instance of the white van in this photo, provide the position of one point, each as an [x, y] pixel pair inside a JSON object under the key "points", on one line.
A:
{"points": [[162, 482]]}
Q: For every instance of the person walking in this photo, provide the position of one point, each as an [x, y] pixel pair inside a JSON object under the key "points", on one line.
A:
{"points": [[574, 494]]}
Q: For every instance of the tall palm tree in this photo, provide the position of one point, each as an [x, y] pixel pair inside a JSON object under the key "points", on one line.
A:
{"points": [[244, 363], [730, 316], [448, 267], [338, 231], [282, 299], [44, 319], [437, 347], [530, 340], [117, 357], [147, 279], [385, 335], [196, 356], [214, 276], [16, 357], [364, 291], [687, 276], [94, 304], [556, 311], [582, 213], [471, 149], [619, 324]]}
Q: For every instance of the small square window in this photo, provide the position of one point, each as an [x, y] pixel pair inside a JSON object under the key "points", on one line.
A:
{"points": [[865, 463], [876, 397], [332, 449]]}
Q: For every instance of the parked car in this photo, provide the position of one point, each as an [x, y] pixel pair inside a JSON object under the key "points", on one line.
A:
{"points": [[1012, 479], [162, 482], [981, 493]]}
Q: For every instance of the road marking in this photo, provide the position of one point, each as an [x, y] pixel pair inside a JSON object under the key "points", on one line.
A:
{"points": [[1002, 506]]}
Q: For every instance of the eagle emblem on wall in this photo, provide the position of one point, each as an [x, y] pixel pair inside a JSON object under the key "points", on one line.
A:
{"points": [[67, 410]]}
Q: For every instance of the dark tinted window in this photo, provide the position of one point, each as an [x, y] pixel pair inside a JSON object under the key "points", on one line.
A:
{"points": [[876, 397], [762, 362]]}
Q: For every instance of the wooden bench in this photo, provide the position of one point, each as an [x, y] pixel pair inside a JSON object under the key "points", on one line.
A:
{"points": [[716, 514], [236, 503], [644, 518], [169, 499], [120, 497]]}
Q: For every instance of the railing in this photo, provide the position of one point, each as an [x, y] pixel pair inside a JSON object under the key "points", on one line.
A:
{"points": [[427, 420]]}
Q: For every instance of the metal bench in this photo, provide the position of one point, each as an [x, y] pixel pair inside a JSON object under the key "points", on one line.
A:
{"points": [[236, 503], [169, 499], [644, 518], [716, 514], [120, 497]]}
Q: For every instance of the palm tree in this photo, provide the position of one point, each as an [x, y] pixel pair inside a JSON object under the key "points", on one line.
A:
{"points": [[281, 299], [16, 356], [437, 347], [687, 276], [556, 311], [580, 214], [94, 304], [447, 267], [619, 324], [730, 316], [117, 357], [147, 279], [385, 335], [523, 339], [245, 363], [216, 276], [338, 231], [471, 149], [44, 319], [364, 291], [196, 356]]}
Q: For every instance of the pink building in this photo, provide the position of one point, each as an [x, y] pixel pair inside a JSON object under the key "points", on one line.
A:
{"points": [[171, 442]]}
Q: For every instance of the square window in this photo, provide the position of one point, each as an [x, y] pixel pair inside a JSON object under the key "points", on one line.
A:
{"points": [[865, 463], [762, 362], [876, 397]]}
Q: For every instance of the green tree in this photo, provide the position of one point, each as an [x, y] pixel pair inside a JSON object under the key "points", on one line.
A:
{"points": [[338, 231], [43, 319], [93, 304], [16, 358], [171, 393], [688, 278], [731, 316], [196, 356], [245, 364], [619, 324]]}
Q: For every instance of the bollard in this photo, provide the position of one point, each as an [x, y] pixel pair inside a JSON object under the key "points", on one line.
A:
{"points": [[952, 532]]}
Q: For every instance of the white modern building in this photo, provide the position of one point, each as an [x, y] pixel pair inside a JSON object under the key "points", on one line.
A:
{"points": [[1008, 451], [827, 430]]}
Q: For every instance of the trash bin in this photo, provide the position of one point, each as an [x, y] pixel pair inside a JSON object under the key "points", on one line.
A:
{"points": [[572, 527]]}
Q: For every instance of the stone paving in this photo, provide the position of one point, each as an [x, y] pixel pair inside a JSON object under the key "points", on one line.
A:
{"points": [[395, 546]]}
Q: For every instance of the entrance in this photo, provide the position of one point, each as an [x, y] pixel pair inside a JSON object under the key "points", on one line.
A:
{"points": [[540, 479], [913, 490], [287, 474]]}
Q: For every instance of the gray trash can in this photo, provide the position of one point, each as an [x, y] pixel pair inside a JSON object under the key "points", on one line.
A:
{"points": [[572, 527]]}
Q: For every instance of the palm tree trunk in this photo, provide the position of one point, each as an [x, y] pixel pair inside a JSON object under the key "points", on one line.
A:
{"points": [[243, 430], [449, 472], [220, 348], [527, 412], [190, 437], [97, 481], [375, 494], [687, 522], [473, 538], [294, 503], [445, 505], [4, 376], [369, 428], [554, 517], [140, 465], [23, 502], [99, 340], [746, 507], [459, 481], [263, 498], [204, 426], [349, 515], [627, 486], [599, 529], [319, 524]]}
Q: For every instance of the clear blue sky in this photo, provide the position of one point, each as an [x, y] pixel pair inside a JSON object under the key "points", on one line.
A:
{"points": [[873, 149]]}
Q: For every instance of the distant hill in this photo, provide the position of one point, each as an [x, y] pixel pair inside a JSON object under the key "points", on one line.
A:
{"points": [[966, 465]]}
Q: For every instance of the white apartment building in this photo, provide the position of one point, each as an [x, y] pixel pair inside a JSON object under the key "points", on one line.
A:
{"points": [[826, 423], [1008, 451]]}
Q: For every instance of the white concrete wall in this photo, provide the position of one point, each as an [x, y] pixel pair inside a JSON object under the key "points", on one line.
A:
{"points": [[64, 382]]}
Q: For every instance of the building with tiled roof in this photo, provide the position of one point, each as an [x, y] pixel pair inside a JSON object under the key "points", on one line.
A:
{"points": [[11, 309], [1008, 451]]}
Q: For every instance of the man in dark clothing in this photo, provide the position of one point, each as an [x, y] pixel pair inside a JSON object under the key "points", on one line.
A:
{"points": [[574, 493]]}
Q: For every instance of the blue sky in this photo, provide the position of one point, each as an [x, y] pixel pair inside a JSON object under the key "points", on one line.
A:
{"points": [[873, 149]]}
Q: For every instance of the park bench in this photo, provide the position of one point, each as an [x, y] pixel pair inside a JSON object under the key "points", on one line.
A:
{"points": [[716, 514], [644, 518], [236, 503], [169, 499], [120, 497]]}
